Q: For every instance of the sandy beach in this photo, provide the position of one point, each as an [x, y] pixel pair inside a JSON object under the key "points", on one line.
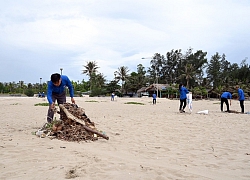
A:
{"points": [[146, 142]]}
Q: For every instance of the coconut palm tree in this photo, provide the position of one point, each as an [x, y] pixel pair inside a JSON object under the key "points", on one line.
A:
{"points": [[90, 68], [122, 74], [188, 73], [99, 80], [218, 90]]}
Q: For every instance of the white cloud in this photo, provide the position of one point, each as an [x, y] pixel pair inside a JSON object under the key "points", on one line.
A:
{"points": [[114, 33]]}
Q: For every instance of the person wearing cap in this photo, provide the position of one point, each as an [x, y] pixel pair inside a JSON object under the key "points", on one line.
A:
{"points": [[224, 99], [241, 98], [56, 92]]}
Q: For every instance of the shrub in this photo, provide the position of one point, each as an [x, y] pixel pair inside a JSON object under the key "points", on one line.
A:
{"points": [[29, 93]]}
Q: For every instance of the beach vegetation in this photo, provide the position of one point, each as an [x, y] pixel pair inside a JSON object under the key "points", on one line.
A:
{"points": [[29, 93], [122, 75], [206, 78], [43, 104], [15, 104], [137, 103], [92, 101], [90, 69]]}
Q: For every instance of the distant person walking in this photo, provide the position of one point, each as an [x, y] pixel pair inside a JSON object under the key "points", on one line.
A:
{"points": [[241, 98], [112, 96], [183, 98], [224, 99], [56, 92], [154, 98]]}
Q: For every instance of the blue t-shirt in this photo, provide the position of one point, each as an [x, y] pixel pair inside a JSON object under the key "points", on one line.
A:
{"points": [[241, 95], [183, 93], [59, 89], [226, 95], [154, 96]]}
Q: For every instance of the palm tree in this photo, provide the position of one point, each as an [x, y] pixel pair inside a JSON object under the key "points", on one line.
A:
{"points": [[21, 86], [90, 68], [188, 73], [99, 80], [122, 74], [11, 86], [218, 90]]}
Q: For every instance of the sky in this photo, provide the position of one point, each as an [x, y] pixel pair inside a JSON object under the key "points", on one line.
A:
{"points": [[39, 37]]}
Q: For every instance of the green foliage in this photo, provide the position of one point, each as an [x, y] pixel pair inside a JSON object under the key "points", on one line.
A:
{"points": [[112, 86], [49, 126], [200, 92], [15, 104], [175, 67], [171, 91], [91, 101], [134, 103], [203, 91], [29, 93], [122, 75], [42, 104], [54, 122], [97, 92]]}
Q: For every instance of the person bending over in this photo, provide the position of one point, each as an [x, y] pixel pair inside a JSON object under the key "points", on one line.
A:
{"points": [[56, 92], [224, 99]]}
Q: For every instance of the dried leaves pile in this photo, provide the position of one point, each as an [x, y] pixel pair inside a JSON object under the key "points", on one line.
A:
{"points": [[74, 131], [70, 130]]}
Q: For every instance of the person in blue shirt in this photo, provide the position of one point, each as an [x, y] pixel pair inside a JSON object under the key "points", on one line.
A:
{"points": [[112, 96], [241, 98], [224, 99], [56, 92], [183, 97], [154, 98]]}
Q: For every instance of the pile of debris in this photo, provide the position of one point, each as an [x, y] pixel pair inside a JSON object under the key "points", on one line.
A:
{"points": [[74, 125]]}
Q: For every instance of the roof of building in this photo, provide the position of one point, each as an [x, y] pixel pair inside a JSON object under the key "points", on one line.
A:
{"points": [[160, 87]]}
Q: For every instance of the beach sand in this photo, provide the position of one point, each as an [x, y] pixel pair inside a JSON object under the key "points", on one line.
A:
{"points": [[148, 142]]}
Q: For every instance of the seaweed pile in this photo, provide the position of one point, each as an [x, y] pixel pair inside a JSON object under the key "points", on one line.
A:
{"points": [[74, 125]]}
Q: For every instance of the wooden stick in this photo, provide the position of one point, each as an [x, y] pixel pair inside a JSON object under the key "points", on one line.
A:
{"points": [[70, 116]]}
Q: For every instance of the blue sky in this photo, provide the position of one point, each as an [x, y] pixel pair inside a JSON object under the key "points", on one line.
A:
{"points": [[37, 38]]}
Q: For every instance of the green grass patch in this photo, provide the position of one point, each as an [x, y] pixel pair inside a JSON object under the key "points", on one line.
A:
{"points": [[216, 103], [138, 103], [43, 104], [91, 101], [54, 122], [15, 104]]}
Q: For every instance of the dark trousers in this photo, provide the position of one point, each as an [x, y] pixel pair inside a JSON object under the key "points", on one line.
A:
{"points": [[224, 100], [61, 98], [242, 106], [154, 101], [183, 103]]}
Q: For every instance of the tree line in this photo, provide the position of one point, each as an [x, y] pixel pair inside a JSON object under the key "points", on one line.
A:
{"points": [[193, 69]]}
